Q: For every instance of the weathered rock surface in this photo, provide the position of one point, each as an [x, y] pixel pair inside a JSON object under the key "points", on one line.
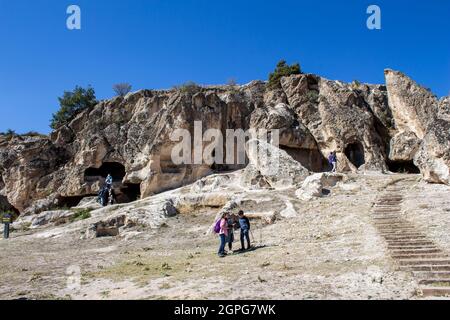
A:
{"points": [[417, 110], [433, 157], [271, 167], [414, 108], [403, 146], [367, 126], [316, 185]]}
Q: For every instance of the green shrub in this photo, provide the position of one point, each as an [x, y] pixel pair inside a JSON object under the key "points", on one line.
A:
{"points": [[313, 96], [81, 214], [71, 103], [9, 133], [232, 86], [33, 134], [189, 87], [282, 70]]}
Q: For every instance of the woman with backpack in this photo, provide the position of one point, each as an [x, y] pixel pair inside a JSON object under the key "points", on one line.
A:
{"points": [[221, 228]]}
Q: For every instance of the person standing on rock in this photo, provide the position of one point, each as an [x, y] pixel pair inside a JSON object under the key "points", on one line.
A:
{"points": [[244, 224], [6, 220], [332, 160], [109, 182], [223, 233]]}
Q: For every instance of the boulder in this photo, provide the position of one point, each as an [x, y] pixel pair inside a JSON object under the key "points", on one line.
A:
{"points": [[403, 146], [433, 156], [271, 167], [316, 185]]}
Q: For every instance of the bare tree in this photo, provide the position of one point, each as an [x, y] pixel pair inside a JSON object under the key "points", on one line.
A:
{"points": [[121, 89]]}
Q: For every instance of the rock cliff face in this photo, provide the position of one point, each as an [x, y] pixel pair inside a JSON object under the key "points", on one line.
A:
{"points": [[371, 127]]}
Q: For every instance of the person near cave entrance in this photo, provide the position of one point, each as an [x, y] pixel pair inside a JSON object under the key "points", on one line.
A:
{"points": [[332, 160], [106, 194]]}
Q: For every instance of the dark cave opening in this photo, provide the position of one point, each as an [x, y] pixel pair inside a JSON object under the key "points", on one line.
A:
{"points": [[404, 166], [312, 160], [355, 154], [5, 206], [72, 201], [129, 192], [117, 171]]}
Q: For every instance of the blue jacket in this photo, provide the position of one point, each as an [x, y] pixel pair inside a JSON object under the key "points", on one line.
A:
{"points": [[244, 223]]}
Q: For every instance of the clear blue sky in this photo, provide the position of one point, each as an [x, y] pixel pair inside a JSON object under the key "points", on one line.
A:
{"points": [[160, 43]]}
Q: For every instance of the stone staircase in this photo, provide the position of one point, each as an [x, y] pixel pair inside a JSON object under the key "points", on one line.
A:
{"points": [[411, 248]]}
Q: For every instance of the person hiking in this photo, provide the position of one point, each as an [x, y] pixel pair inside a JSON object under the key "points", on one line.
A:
{"points": [[244, 224], [231, 224], [332, 160], [109, 181], [6, 220], [112, 196], [102, 198], [223, 233]]}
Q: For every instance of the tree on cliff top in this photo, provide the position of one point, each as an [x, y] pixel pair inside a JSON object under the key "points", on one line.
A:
{"points": [[71, 103], [282, 70], [122, 89]]}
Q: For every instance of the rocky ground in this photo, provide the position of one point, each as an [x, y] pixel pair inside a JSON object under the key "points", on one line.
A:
{"points": [[324, 248]]}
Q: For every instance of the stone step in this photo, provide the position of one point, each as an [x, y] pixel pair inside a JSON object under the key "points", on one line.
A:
{"points": [[386, 213], [388, 201], [400, 234], [409, 243], [416, 251], [424, 275], [395, 228], [384, 216], [412, 247], [435, 292], [424, 262], [419, 256], [405, 237], [425, 268], [388, 220], [439, 282], [385, 206]]}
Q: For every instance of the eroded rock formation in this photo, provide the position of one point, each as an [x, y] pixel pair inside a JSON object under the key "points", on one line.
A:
{"points": [[371, 127]]}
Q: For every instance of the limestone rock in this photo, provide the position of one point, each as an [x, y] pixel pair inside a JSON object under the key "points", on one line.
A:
{"points": [[55, 216], [413, 106], [132, 138], [404, 146], [272, 165], [433, 157], [339, 118], [315, 186]]}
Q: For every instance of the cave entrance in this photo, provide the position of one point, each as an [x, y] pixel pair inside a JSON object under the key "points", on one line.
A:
{"points": [[407, 166], [117, 171], [129, 192], [71, 201], [355, 153], [312, 160], [5, 206]]}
